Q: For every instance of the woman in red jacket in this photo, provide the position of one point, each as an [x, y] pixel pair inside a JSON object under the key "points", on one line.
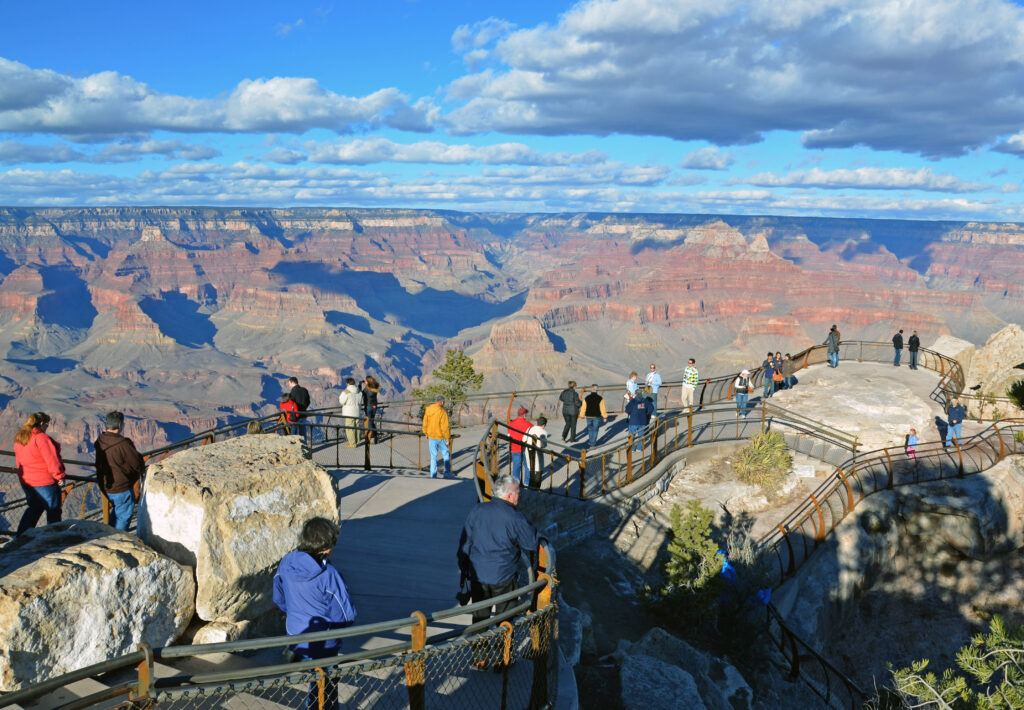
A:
{"points": [[40, 470]]}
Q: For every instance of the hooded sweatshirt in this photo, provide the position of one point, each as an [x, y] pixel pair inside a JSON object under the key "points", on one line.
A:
{"points": [[314, 598], [349, 400], [118, 464]]}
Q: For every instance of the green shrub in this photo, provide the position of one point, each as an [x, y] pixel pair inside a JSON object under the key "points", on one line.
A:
{"points": [[765, 461], [1016, 393]]}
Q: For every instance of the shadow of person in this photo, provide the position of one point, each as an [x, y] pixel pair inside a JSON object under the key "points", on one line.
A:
{"points": [[942, 426]]}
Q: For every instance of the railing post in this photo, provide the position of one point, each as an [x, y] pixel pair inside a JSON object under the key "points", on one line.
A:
{"points": [[366, 451], [321, 688], [144, 683], [860, 358], [689, 428], [764, 408], [414, 670], [419, 453], [583, 474], [629, 459], [541, 647], [105, 502]]}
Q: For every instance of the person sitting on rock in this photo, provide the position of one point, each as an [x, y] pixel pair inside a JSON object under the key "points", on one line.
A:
{"points": [[119, 466], [313, 596]]}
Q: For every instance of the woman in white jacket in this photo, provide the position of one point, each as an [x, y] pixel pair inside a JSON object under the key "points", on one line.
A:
{"points": [[349, 400]]}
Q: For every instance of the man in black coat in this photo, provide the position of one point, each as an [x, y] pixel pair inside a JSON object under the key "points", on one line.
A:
{"points": [[897, 345], [913, 345], [571, 404]]}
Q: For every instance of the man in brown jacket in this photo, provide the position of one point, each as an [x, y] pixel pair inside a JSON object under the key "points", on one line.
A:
{"points": [[119, 467]]}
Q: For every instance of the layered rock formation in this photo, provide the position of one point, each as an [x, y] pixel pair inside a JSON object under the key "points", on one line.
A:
{"points": [[79, 592], [184, 317], [231, 510]]}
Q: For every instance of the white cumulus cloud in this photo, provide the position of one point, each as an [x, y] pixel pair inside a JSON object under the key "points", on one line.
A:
{"points": [[710, 158], [379, 150], [866, 179]]}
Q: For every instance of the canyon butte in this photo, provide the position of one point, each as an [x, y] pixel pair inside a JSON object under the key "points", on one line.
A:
{"points": [[185, 318]]}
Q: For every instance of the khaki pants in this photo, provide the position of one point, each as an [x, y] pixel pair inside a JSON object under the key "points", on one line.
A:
{"points": [[351, 433], [688, 395]]}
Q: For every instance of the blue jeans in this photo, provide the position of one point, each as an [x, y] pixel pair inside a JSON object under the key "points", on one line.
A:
{"points": [[654, 403], [518, 465], [954, 430], [741, 402], [896, 358], [767, 388], [122, 505], [40, 498], [788, 381], [593, 427], [913, 359], [833, 359], [637, 431], [436, 445]]}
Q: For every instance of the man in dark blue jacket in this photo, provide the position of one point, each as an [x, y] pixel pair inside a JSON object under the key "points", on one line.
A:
{"points": [[493, 541], [639, 411], [312, 594], [955, 419]]}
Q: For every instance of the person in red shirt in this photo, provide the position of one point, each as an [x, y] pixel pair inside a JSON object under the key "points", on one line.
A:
{"points": [[290, 409], [517, 428], [40, 471]]}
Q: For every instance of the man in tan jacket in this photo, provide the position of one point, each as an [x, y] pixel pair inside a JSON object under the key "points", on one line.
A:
{"points": [[435, 427]]}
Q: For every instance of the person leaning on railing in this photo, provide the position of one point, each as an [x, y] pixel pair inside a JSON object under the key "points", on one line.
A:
{"points": [[40, 471], [494, 539]]}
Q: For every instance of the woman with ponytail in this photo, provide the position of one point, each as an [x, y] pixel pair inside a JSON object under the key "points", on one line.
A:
{"points": [[40, 470]]}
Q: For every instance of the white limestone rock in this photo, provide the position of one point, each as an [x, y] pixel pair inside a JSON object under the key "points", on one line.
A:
{"points": [[80, 592], [232, 510], [993, 366], [960, 350]]}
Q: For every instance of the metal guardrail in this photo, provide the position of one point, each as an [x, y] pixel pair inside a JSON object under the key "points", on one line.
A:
{"points": [[405, 673]]}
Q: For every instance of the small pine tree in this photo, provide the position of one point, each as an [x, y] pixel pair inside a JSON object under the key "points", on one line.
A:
{"points": [[692, 581], [991, 676], [455, 377]]}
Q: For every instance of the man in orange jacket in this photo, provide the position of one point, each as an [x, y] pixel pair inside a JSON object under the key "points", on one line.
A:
{"points": [[435, 427]]}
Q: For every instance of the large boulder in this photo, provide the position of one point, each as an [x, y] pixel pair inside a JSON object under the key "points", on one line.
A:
{"points": [[960, 350], [652, 684], [79, 592], [993, 367], [232, 510]]}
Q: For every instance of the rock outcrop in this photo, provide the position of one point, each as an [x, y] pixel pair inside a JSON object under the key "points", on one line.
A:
{"points": [[232, 510], [659, 663], [79, 592], [934, 524]]}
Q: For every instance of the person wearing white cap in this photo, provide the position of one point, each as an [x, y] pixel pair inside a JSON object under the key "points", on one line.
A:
{"points": [[743, 387]]}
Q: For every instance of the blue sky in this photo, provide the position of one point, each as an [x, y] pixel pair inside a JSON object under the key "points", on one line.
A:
{"points": [[908, 109]]}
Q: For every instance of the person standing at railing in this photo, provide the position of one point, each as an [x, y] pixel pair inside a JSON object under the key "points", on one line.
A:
{"points": [[119, 466], [638, 409], [290, 410], [832, 342], [517, 429], [370, 393], [313, 596], [595, 413], [690, 378], [913, 346], [954, 422], [299, 395], [768, 368], [897, 346], [40, 471], [653, 383], [788, 370], [742, 388], [349, 400], [537, 439], [571, 404], [494, 540], [435, 428]]}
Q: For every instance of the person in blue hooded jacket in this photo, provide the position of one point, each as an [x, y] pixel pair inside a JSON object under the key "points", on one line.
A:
{"points": [[312, 594]]}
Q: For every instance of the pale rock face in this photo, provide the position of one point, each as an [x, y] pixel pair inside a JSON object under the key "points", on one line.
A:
{"points": [[974, 517], [651, 684], [876, 407], [960, 350], [993, 366], [79, 592], [232, 510]]}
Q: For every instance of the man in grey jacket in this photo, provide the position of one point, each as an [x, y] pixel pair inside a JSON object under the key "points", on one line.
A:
{"points": [[571, 404], [832, 341]]}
